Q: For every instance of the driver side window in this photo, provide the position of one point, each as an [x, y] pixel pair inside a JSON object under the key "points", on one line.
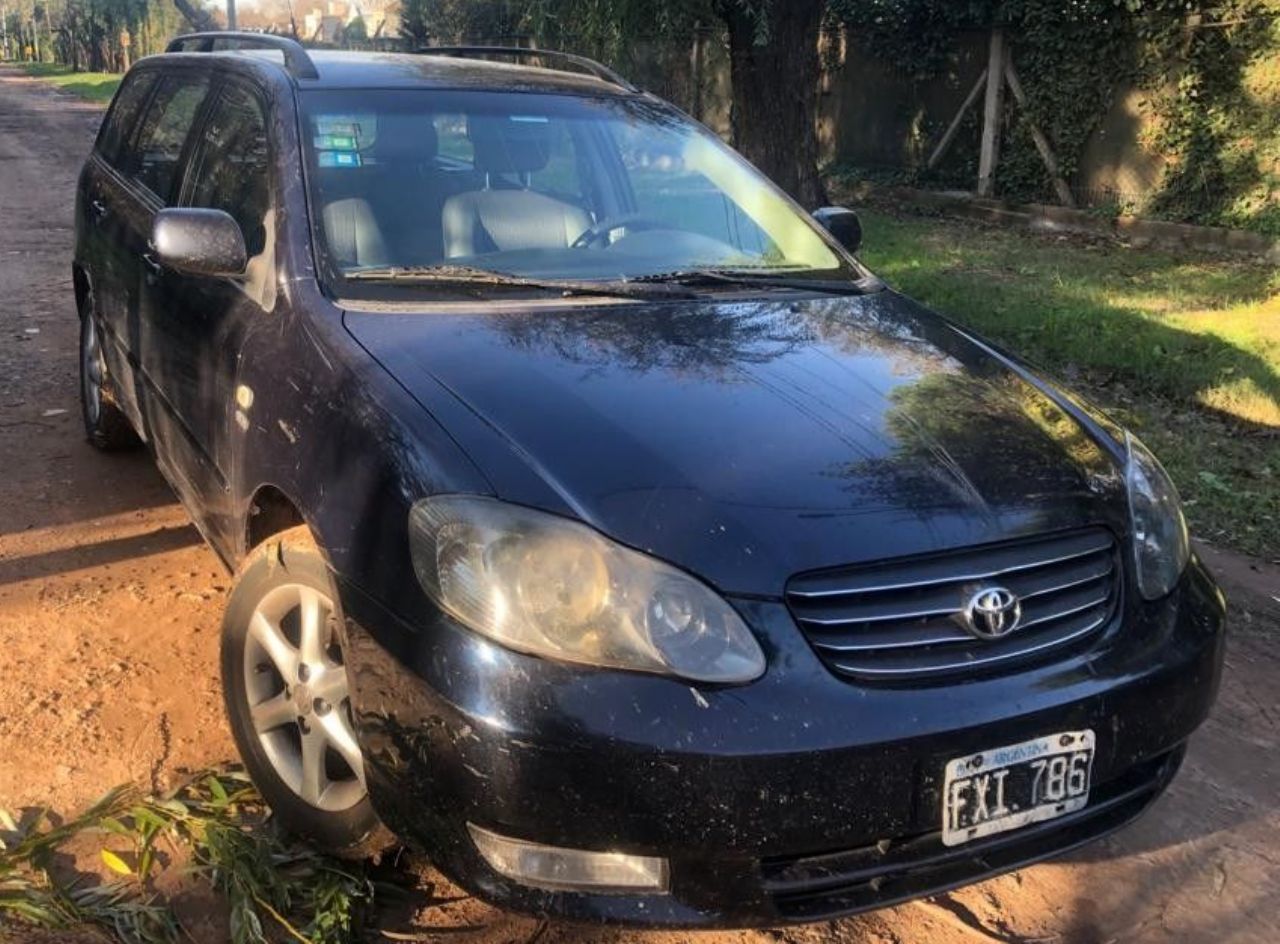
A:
{"points": [[232, 170], [154, 163], [683, 199]]}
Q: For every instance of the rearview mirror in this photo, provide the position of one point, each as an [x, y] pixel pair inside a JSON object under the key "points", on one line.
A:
{"points": [[199, 242], [843, 224]]}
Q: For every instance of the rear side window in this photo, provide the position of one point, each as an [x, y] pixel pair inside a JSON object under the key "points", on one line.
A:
{"points": [[452, 142], [158, 148], [123, 116], [559, 176], [232, 170]]}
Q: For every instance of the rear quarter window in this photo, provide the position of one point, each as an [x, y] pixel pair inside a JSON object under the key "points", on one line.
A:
{"points": [[453, 144], [125, 111]]}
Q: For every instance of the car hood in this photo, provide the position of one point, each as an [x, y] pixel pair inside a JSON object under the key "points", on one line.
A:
{"points": [[751, 440]]}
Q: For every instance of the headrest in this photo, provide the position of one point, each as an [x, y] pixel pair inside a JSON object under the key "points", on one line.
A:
{"points": [[505, 145]]}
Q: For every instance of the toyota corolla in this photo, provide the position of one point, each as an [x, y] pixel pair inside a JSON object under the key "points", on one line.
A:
{"points": [[600, 523]]}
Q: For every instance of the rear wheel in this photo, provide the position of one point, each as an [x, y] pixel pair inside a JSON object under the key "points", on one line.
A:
{"points": [[105, 424], [288, 697]]}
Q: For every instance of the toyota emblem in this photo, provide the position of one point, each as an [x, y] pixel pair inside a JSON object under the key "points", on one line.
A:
{"points": [[992, 613]]}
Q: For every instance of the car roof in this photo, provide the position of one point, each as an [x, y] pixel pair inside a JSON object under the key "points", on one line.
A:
{"points": [[341, 69]]}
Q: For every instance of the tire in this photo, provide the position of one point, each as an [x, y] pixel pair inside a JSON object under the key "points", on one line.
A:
{"points": [[287, 698], [105, 425]]}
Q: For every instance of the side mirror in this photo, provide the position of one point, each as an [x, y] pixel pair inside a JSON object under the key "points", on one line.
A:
{"points": [[843, 224], [199, 242]]}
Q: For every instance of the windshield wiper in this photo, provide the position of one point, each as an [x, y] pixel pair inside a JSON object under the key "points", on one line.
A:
{"points": [[867, 285], [472, 276]]}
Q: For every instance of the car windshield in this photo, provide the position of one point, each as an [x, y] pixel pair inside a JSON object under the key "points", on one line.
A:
{"points": [[428, 183]]}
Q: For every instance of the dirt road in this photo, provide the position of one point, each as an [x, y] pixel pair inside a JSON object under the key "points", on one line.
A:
{"points": [[109, 608]]}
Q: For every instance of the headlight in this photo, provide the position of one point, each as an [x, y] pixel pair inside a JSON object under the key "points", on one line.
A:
{"points": [[551, 587], [1160, 541]]}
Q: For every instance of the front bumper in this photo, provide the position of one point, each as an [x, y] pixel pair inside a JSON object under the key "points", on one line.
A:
{"points": [[799, 797]]}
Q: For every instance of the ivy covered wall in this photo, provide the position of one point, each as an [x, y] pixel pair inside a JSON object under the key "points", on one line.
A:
{"points": [[1168, 109]]}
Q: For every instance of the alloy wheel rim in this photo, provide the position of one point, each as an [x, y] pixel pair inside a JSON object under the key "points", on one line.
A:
{"points": [[93, 369], [298, 698]]}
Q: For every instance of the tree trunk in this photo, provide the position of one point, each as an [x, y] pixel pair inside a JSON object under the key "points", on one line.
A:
{"points": [[775, 92], [199, 19]]}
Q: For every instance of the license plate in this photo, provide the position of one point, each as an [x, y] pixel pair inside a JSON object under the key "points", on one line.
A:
{"points": [[1008, 787]]}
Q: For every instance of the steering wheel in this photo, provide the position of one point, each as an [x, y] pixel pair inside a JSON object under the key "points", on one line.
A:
{"points": [[598, 232]]}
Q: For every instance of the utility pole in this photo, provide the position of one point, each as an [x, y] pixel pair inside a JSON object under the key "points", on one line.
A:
{"points": [[231, 14]]}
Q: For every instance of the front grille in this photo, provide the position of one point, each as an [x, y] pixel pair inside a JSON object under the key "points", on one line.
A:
{"points": [[904, 619]]}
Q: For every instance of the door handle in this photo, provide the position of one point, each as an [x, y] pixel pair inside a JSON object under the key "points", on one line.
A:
{"points": [[99, 208], [155, 267]]}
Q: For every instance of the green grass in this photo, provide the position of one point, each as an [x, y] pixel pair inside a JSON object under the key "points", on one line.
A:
{"points": [[1184, 351], [91, 86]]}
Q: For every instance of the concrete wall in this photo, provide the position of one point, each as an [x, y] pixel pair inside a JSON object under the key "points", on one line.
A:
{"points": [[1114, 163], [874, 116]]}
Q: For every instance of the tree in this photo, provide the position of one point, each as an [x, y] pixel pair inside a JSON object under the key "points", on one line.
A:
{"points": [[773, 54], [450, 21], [199, 19], [415, 21], [88, 33], [774, 70]]}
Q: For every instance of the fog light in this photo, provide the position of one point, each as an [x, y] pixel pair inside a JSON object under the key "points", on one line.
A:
{"points": [[569, 869]]}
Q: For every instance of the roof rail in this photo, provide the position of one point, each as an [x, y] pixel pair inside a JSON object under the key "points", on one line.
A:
{"points": [[296, 59], [597, 69]]}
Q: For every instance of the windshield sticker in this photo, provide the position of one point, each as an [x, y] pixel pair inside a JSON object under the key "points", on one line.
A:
{"points": [[339, 159], [357, 132], [337, 142]]}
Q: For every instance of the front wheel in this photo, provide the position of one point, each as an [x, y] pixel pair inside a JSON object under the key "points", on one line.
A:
{"points": [[288, 697]]}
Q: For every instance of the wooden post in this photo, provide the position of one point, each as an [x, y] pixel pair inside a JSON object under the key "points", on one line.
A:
{"points": [[954, 127], [991, 112], [1041, 142]]}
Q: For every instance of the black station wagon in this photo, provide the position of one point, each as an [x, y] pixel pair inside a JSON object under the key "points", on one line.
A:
{"points": [[600, 524]]}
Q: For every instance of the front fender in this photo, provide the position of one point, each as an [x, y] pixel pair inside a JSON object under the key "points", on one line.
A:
{"points": [[331, 430]]}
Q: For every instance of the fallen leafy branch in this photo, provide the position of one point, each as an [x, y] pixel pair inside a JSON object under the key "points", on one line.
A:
{"points": [[272, 884]]}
